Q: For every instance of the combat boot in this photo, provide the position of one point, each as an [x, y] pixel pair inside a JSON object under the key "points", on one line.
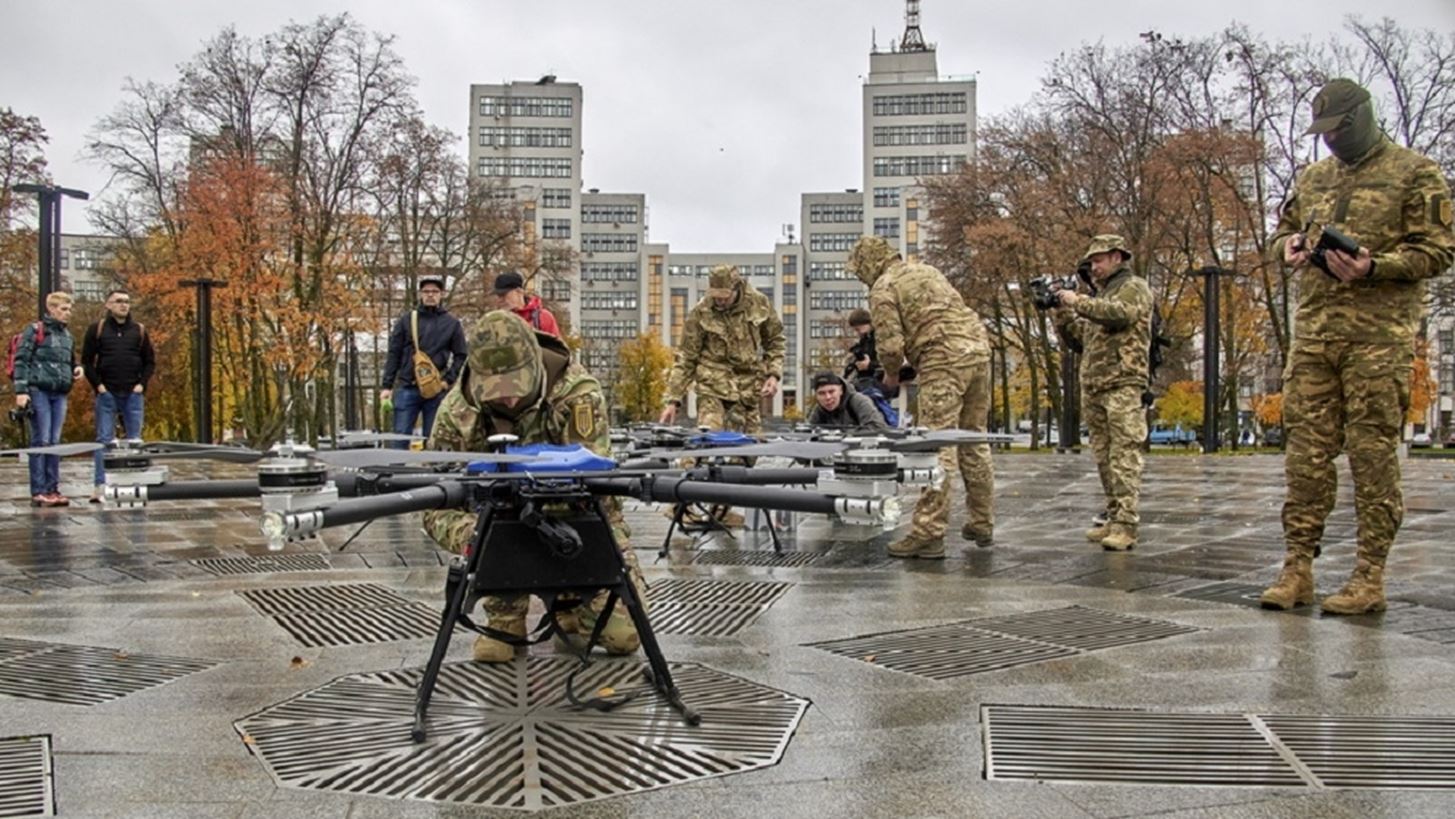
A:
{"points": [[1294, 586], [911, 546], [980, 537], [1119, 537], [619, 636], [1098, 532], [491, 650], [1363, 592]]}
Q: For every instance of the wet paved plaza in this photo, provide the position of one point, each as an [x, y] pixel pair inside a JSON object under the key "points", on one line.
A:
{"points": [[163, 663]]}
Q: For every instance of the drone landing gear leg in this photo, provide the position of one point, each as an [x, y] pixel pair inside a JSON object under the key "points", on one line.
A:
{"points": [[657, 672], [460, 579], [773, 531], [676, 523]]}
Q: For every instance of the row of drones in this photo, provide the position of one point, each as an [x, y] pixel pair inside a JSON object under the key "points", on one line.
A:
{"points": [[542, 528]]}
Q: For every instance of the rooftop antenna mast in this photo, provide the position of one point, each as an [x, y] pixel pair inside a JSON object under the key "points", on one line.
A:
{"points": [[912, 40]]}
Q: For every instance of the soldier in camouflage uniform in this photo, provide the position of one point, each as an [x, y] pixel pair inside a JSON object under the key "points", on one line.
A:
{"points": [[524, 383], [1347, 380], [732, 350], [1114, 330], [920, 319]]}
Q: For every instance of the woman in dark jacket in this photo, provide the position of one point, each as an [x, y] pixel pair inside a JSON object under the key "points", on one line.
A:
{"points": [[45, 369]]}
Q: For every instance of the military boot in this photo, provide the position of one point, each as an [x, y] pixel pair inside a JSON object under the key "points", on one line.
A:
{"points": [[911, 546], [491, 650], [1363, 592], [1294, 586], [619, 636], [1119, 537], [1098, 532], [980, 537]]}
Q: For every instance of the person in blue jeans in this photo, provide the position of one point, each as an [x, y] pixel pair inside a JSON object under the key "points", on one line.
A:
{"points": [[45, 370], [118, 360], [441, 337]]}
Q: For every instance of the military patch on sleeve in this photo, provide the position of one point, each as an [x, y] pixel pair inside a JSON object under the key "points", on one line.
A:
{"points": [[1441, 212], [584, 420]]}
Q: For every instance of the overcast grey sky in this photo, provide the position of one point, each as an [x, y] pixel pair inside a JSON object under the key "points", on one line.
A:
{"points": [[722, 113]]}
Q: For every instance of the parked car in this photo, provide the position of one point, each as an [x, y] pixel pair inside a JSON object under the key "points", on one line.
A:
{"points": [[1172, 435], [1273, 436], [1421, 440]]}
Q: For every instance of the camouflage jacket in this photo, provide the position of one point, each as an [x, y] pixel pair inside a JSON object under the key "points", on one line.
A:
{"points": [[571, 410], [728, 353], [1115, 332], [922, 320], [1394, 202]]}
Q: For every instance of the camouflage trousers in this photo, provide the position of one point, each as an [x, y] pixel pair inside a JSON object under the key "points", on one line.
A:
{"points": [[1118, 426], [742, 415], [951, 397], [1350, 397], [454, 529]]}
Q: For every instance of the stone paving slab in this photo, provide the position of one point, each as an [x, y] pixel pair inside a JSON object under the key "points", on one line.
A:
{"points": [[874, 742]]}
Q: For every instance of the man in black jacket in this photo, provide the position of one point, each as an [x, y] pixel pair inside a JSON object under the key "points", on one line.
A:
{"points": [[840, 406], [441, 338], [118, 360]]}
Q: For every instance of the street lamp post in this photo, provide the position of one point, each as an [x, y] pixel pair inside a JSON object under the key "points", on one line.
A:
{"points": [[1211, 343], [50, 235], [202, 394]]}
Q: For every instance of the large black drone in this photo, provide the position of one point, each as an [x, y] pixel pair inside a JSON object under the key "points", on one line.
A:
{"points": [[542, 527]]}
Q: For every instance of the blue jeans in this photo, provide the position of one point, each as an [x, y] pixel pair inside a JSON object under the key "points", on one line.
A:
{"points": [[45, 430], [108, 404], [408, 406]]}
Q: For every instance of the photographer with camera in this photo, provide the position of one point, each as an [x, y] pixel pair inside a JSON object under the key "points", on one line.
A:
{"points": [[1113, 329], [1383, 223], [426, 352], [45, 371]]}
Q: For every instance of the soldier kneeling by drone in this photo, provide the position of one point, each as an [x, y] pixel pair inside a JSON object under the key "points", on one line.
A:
{"points": [[521, 382]]}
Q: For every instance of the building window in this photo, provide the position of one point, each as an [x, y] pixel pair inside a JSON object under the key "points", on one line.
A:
{"points": [[888, 227], [609, 300], [556, 198], [608, 242], [790, 266], [828, 272], [494, 136], [833, 213], [524, 166], [952, 133], [65, 258], [525, 106], [767, 292], [612, 328], [943, 102], [556, 290], [609, 271], [1445, 337], [824, 242], [87, 258], [918, 165], [838, 301], [1447, 378], [610, 214], [829, 328], [89, 290], [556, 228], [886, 197]]}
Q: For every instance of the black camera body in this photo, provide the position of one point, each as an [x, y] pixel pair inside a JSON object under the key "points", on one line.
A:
{"points": [[1331, 239], [1044, 290]]}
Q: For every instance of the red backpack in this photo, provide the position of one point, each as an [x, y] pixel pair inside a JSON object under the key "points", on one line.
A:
{"points": [[15, 346]]}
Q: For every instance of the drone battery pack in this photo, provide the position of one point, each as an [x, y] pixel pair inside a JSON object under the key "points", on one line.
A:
{"points": [[547, 458]]}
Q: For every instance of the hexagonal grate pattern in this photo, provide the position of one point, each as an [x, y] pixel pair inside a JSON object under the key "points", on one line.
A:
{"points": [[504, 736], [344, 614], [84, 675], [27, 783], [715, 608]]}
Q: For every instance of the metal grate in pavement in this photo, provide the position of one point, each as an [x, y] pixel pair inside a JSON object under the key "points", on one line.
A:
{"points": [[714, 608], [27, 783], [344, 614], [943, 652], [1371, 752], [723, 592], [1133, 747], [734, 557], [11, 648], [85, 675], [1237, 594], [263, 565], [503, 736], [1081, 628]]}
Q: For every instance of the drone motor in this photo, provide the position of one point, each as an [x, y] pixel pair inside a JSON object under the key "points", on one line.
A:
{"points": [[862, 471], [290, 480]]}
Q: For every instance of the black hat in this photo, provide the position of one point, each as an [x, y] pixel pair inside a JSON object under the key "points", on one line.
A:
{"points": [[432, 278], [508, 281], [826, 378]]}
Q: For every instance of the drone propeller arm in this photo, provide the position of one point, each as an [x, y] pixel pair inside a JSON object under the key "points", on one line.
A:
{"points": [[763, 476], [186, 490], [280, 526], [674, 489]]}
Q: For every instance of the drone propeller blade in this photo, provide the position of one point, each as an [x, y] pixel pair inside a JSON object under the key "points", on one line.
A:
{"points": [[227, 454], [357, 438], [798, 450], [370, 458], [62, 450], [941, 438]]}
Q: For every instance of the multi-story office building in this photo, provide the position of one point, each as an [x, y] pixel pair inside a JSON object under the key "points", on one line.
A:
{"points": [[610, 303]]}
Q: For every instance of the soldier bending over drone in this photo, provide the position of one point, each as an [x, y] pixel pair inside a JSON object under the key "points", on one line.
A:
{"points": [[520, 382]]}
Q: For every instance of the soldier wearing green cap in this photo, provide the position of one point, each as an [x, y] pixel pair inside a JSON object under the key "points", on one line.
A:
{"points": [[1114, 331], [732, 350], [522, 382], [920, 319], [1347, 379]]}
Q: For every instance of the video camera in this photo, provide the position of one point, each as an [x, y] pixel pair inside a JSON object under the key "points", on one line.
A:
{"points": [[1331, 239], [1044, 290]]}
